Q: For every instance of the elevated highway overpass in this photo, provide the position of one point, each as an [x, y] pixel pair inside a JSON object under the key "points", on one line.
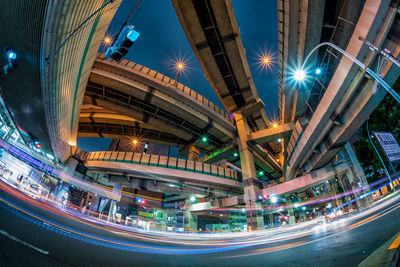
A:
{"points": [[125, 167], [126, 99], [52, 95], [214, 35], [349, 98], [157, 102]]}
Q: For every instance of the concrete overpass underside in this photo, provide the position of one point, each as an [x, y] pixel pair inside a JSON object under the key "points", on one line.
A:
{"points": [[214, 35], [155, 101], [34, 30], [349, 98]]}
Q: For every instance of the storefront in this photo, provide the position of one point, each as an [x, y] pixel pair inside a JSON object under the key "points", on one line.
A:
{"points": [[22, 176]]}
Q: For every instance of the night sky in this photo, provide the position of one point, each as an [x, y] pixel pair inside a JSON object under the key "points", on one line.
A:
{"points": [[162, 41]]}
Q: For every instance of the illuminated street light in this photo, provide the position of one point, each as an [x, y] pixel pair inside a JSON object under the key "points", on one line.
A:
{"points": [[266, 60], [204, 139], [299, 75], [318, 71], [192, 198], [279, 140], [274, 199], [180, 66], [261, 173], [275, 125], [135, 141], [374, 75], [107, 40], [235, 154], [11, 54]]}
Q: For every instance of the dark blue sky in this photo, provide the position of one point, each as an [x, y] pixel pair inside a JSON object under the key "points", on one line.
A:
{"points": [[162, 40]]}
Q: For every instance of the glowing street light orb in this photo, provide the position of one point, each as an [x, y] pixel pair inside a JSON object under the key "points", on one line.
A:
{"points": [[135, 141], [180, 66], [107, 40], [266, 60], [318, 71], [299, 75], [274, 199], [193, 198], [275, 125]]}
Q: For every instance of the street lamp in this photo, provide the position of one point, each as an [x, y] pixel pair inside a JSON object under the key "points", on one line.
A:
{"points": [[107, 40], [356, 61], [299, 75], [274, 199]]}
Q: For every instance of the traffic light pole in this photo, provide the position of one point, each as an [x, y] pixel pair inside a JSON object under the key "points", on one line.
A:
{"points": [[69, 36]]}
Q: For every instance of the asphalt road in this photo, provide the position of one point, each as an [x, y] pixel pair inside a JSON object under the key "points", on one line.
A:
{"points": [[33, 236]]}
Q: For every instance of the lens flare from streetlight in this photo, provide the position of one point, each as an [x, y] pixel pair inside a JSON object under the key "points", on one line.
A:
{"points": [[275, 125], [135, 141], [107, 40], [265, 60], [180, 66], [299, 75]]}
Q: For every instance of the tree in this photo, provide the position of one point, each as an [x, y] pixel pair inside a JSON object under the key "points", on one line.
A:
{"points": [[385, 118]]}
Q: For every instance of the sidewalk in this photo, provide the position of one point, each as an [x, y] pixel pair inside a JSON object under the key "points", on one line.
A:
{"points": [[384, 255]]}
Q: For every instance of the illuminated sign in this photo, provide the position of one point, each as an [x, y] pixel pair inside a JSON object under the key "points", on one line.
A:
{"points": [[29, 159], [389, 145], [146, 214]]}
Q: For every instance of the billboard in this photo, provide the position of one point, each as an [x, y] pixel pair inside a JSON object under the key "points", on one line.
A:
{"points": [[389, 145]]}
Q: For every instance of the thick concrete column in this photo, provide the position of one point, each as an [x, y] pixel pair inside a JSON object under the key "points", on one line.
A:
{"points": [[190, 219], [70, 166], [113, 206], [250, 181], [193, 153], [358, 172], [290, 210]]}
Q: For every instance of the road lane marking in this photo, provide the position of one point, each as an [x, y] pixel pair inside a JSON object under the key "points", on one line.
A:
{"points": [[363, 221], [270, 249], [16, 239], [395, 244]]}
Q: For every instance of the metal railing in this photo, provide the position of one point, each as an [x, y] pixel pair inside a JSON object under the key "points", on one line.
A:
{"points": [[165, 162]]}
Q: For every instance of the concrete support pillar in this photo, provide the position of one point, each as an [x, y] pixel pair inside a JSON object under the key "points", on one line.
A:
{"points": [[190, 219], [70, 166], [290, 210], [358, 172], [113, 205], [193, 153], [255, 219], [271, 219], [111, 211]]}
